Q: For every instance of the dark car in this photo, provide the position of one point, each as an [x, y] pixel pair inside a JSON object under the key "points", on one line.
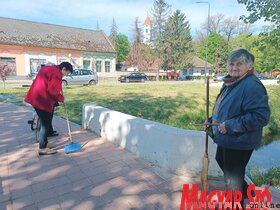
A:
{"points": [[133, 77], [81, 77]]}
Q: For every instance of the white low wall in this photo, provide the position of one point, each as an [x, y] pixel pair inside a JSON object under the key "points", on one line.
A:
{"points": [[178, 150]]}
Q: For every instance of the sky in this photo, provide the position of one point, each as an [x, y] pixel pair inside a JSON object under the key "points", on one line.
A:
{"points": [[87, 13]]}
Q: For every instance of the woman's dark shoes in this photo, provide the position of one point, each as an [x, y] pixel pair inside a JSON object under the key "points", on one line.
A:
{"points": [[46, 151], [54, 133]]}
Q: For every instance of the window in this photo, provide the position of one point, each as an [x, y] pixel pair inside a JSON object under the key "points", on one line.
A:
{"points": [[75, 73], [36, 64], [191, 71], [86, 64], [98, 66], [202, 72], [107, 66], [86, 72], [60, 60]]}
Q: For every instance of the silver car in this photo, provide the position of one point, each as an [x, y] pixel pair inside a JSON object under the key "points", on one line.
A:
{"points": [[81, 77], [219, 77]]}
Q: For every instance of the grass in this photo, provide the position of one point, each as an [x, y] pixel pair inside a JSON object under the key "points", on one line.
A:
{"points": [[270, 177], [179, 105]]}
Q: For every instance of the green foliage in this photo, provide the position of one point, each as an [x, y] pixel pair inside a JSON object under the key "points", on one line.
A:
{"points": [[176, 43], [270, 178], [248, 41], [271, 131], [268, 42], [268, 9], [218, 51], [268, 45], [123, 47]]}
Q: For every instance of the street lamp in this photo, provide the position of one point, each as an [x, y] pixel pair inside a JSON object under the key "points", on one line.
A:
{"points": [[208, 29]]}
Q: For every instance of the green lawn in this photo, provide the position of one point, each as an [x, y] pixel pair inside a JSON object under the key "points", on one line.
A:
{"points": [[179, 105]]}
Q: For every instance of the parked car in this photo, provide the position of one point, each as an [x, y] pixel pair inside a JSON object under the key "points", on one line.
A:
{"points": [[262, 76], [219, 77], [81, 77], [173, 74], [133, 77]]}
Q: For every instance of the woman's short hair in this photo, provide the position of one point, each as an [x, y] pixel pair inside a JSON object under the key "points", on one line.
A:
{"points": [[241, 54], [67, 65]]}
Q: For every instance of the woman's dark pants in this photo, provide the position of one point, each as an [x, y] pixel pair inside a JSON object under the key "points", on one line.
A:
{"points": [[233, 163], [45, 118]]}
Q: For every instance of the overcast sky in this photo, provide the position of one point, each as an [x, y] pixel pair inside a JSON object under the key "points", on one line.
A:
{"points": [[86, 13]]}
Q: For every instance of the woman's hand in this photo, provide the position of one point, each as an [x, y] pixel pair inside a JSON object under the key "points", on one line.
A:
{"points": [[222, 128]]}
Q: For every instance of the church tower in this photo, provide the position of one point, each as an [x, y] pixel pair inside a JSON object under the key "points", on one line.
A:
{"points": [[147, 31]]}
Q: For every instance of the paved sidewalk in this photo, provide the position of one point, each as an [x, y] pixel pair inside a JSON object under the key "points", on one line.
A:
{"points": [[101, 176]]}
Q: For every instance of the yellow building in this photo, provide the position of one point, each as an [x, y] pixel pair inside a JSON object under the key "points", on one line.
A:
{"points": [[26, 45]]}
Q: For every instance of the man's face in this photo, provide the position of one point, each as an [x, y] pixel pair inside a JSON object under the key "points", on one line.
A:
{"points": [[238, 68]]}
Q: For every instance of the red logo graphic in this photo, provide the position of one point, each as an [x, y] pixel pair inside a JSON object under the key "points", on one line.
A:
{"points": [[223, 199]]}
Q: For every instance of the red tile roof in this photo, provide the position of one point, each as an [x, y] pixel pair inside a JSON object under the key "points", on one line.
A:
{"points": [[199, 63]]}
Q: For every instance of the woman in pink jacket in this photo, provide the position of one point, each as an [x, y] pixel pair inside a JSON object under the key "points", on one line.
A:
{"points": [[42, 95]]}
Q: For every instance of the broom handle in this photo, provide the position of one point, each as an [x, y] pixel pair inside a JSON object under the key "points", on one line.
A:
{"points": [[68, 124], [67, 119], [207, 115]]}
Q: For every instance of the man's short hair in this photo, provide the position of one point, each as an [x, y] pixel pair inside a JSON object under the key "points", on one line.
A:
{"points": [[67, 65]]}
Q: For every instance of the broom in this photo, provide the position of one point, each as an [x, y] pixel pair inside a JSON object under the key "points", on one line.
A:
{"points": [[72, 147], [205, 161]]}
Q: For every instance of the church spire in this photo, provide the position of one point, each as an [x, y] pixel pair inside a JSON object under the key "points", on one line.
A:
{"points": [[147, 31]]}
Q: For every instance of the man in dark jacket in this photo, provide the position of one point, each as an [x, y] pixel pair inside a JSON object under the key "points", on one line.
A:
{"points": [[241, 110], [44, 92]]}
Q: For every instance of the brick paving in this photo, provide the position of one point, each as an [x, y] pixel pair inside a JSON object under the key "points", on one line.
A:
{"points": [[100, 176]]}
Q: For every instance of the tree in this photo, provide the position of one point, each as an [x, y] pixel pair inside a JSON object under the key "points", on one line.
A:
{"points": [[4, 72], [228, 27], [123, 47], [215, 23], [268, 9], [113, 34], [269, 41], [222, 33], [137, 31], [217, 51], [160, 13], [268, 44], [141, 55], [133, 58], [176, 42]]}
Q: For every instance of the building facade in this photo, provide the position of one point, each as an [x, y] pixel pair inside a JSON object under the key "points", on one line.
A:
{"points": [[26, 45]]}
